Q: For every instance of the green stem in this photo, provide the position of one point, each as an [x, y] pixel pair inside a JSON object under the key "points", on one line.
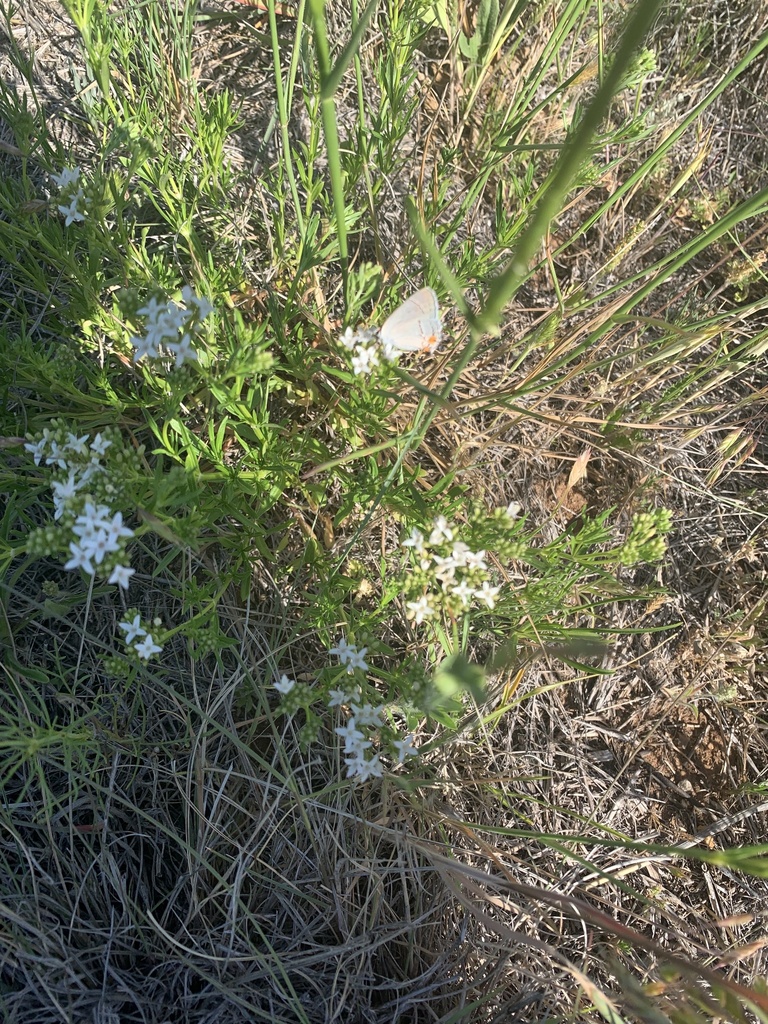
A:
{"points": [[282, 110], [576, 150], [330, 128]]}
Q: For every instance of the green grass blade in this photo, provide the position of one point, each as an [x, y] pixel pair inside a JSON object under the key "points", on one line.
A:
{"points": [[506, 284]]}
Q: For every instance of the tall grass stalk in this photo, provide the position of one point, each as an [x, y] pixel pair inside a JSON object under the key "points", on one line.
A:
{"points": [[552, 195]]}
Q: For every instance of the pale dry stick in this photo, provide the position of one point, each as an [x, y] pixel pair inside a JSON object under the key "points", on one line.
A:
{"points": [[723, 823]]}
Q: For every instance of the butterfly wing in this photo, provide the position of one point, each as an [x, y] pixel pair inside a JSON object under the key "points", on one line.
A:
{"points": [[414, 326]]}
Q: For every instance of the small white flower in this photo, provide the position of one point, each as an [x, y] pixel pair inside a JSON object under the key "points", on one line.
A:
{"points": [[100, 444], [284, 685], [354, 740], [414, 540], [476, 560], [362, 336], [203, 306], [147, 647], [81, 559], [440, 531], [55, 455], [174, 319], [349, 339], [405, 748], [444, 568], [68, 176], [132, 629], [349, 732], [93, 517], [37, 450], [353, 763], [116, 530], [161, 330], [63, 490], [86, 536], [420, 610], [343, 650], [121, 575], [357, 745], [99, 545], [488, 594], [390, 352], [93, 467], [59, 507], [368, 715], [364, 360], [76, 444], [350, 656], [153, 309], [460, 552], [463, 591], [183, 350], [355, 660], [71, 212], [338, 697], [364, 770], [144, 347]]}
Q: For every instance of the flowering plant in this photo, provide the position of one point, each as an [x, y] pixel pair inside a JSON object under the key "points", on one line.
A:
{"points": [[83, 492], [74, 205], [366, 736], [171, 327]]}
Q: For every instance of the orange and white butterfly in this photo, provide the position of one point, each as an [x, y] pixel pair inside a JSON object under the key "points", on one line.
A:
{"points": [[415, 326]]}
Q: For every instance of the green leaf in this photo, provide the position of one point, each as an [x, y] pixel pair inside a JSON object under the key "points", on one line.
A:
{"points": [[457, 675], [477, 46]]}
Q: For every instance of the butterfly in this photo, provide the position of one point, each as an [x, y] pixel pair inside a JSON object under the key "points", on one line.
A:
{"points": [[415, 326]]}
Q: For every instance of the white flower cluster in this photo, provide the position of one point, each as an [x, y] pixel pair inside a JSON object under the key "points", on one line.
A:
{"points": [[171, 327], [144, 647], [349, 655], [72, 194], [356, 744], [365, 347], [363, 719], [460, 576], [100, 536]]}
